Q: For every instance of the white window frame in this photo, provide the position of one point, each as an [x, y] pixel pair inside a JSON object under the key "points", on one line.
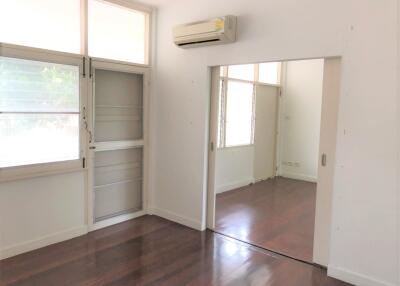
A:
{"points": [[147, 10], [83, 61], [43, 169], [257, 75], [224, 78], [224, 99]]}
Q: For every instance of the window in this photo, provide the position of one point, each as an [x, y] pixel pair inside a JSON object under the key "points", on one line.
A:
{"points": [[221, 115], [239, 114], [236, 110], [46, 24], [269, 73], [41, 94], [39, 112], [117, 32], [222, 70], [244, 72]]}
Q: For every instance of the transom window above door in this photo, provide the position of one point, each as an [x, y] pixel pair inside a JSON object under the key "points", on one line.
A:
{"points": [[117, 33], [108, 29]]}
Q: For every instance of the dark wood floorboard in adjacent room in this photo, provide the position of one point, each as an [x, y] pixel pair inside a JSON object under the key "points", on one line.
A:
{"points": [[153, 251], [277, 214]]}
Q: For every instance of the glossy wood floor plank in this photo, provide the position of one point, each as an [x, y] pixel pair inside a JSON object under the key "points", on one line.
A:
{"points": [[153, 251], [276, 214]]}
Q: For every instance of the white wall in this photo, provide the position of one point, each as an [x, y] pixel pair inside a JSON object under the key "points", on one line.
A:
{"points": [[40, 211], [234, 168], [364, 32], [300, 119]]}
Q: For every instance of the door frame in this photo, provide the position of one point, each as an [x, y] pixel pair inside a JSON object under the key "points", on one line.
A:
{"points": [[326, 170], [212, 146], [96, 63], [213, 127]]}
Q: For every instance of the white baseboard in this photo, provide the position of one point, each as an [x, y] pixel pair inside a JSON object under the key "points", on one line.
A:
{"points": [[42, 242], [177, 218], [355, 278], [234, 185], [296, 176]]}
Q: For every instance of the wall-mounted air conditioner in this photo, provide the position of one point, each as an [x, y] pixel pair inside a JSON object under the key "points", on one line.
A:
{"points": [[211, 32]]}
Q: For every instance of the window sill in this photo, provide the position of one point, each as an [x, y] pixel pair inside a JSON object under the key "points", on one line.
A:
{"points": [[39, 170]]}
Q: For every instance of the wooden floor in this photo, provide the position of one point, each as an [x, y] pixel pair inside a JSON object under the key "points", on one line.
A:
{"points": [[276, 214], [153, 251]]}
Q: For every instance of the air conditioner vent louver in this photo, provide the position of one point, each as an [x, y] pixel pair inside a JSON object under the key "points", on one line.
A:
{"points": [[199, 42], [211, 32]]}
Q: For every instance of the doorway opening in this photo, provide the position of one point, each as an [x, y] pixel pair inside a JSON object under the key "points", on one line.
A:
{"points": [[272, 136]]}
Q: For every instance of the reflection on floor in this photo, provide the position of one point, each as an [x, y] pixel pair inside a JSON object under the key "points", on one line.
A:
{"points": [[153, 251], [276, 214]]}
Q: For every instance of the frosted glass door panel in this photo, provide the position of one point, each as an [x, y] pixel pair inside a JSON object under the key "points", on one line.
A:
{"points": [[117, 182], [118, 106]]}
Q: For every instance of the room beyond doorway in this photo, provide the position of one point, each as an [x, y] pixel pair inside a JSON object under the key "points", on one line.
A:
{"points": [[270, 176]]}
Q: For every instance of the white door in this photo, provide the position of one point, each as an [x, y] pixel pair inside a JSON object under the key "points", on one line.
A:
{"points": [[329, 111], [265, 131], [118, 143]]}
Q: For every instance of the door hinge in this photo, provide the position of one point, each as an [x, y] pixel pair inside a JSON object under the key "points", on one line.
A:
{"points": [[212, 146], [84, 67], [90, 68], [83, 162]]}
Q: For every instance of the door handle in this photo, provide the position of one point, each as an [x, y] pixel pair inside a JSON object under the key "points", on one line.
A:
{"points": [[323, 160]]}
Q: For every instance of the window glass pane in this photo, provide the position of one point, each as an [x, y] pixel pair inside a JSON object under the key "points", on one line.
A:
{"points": [[245, 72], [239, 111], [47, 24], [221, 71], [38, 138], [220, 115], [34, 86], [39, 112], [269, 73], [116, 32]]}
